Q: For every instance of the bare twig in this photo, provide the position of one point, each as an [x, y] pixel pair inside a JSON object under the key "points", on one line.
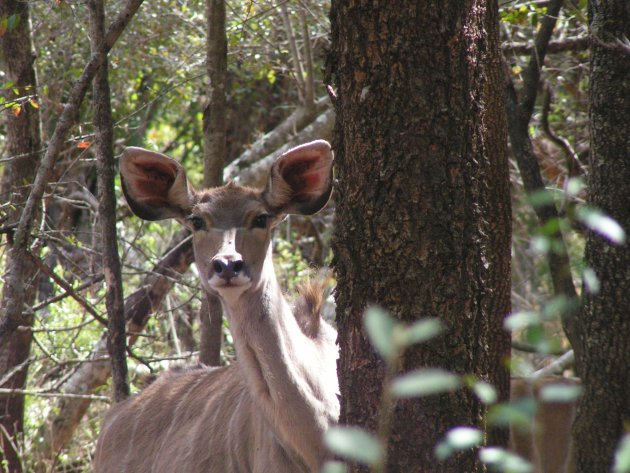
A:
{"points": [[15, 369], [32, 392], [309, 86], [573, 163], [66, 287], [95, 280], [297, 62]]}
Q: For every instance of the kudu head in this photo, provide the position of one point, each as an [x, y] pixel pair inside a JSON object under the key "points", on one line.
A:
{"points": [[231, 225]]}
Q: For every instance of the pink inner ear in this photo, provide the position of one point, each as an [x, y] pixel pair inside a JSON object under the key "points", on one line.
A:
{"points": [[304, 174], [154, 178]]}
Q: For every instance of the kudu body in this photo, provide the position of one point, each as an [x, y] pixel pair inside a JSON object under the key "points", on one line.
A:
{"points": [[547, 445], [267, 412]]}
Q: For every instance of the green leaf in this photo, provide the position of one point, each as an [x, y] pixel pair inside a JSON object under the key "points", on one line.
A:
{"points": [[518, 414], [485, 392], [419, 332], [542, 198], [457, 439], [558, 392], [13, 22], [334, 467], [591, 281], [502, 460], [540, 244], [354, 444], [380, 327], [424, 382], [575, 186], [600, 223], [521, 320], [558, 306], [622, 456]]}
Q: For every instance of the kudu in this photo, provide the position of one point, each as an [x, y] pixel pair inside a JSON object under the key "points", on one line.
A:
{"points": [[547, 445], [267, 412]]}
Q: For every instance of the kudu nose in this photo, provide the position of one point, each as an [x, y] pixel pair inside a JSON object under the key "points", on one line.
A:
{"points": [[227, 267]]}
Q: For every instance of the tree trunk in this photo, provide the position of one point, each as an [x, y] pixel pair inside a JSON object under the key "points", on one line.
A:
{"points": [[423, 208], [214, 134], [23, 140], [106, 171], [603, 325]]}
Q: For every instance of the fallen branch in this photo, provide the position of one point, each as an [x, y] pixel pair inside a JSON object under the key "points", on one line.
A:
{"points": [[271, 141], [557, 367], [256, 174]]}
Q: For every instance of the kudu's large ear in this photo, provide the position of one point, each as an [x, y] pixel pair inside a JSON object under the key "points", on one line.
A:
{"points": [[301, 179], [155, 185]]}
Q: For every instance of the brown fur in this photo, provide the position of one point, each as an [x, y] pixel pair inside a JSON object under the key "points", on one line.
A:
{"points": [[547, 445], [308, 306]]}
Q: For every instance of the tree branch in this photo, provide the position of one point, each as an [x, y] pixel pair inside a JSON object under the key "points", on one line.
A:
{"points": [[531, 75], [519, 115], [576, 43], [573, 163], [32, 392], [66, 287], [309, 85]]}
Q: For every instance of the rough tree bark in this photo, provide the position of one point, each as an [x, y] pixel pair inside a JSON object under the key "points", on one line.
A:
{"points": [[603, 324], [106, 171], [23, 138], [423, 207], [214, 136]]}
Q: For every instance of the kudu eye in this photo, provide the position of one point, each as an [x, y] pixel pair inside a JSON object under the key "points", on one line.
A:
{"points": [[197, 222], [260, 221]]}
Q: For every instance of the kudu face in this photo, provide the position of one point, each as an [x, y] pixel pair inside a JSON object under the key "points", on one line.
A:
{"points": [[231, 236], [231, 225]]}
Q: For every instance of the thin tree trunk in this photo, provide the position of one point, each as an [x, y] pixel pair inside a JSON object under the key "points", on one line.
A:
{"points": [[214, 135], [106, 170], [23, 139], [423, 218], [603, 324], [520, 107]]}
